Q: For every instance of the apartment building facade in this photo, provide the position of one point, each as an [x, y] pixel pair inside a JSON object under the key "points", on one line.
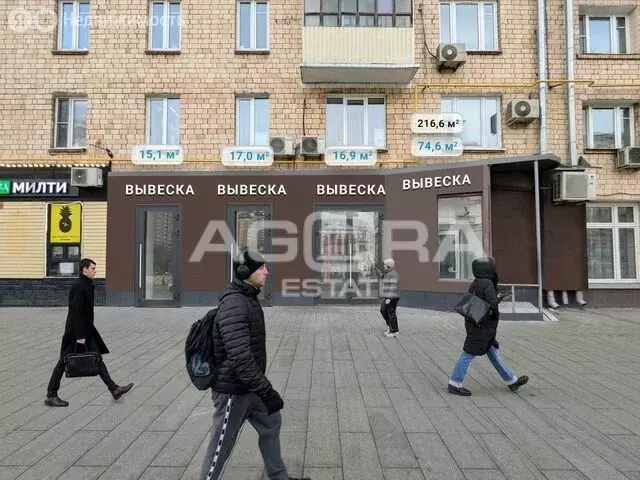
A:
{"points": [[168, 89]]}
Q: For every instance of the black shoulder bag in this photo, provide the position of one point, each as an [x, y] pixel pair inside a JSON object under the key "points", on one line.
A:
{"points": [[473, 308]]}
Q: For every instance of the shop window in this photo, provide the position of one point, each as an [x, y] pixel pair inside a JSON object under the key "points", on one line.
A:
{"points": [[253, 25], [471, 23], [73, 25], [608, 127], [70, 130], [64, 239], [459, 236], [356, 121], [164, 25], [163, 121], [604, 34], [252, 121], [612, 236], [358, 13], [481, 120]]}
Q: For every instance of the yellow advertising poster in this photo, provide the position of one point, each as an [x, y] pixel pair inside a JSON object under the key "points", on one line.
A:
{"points": [[65, 222]]}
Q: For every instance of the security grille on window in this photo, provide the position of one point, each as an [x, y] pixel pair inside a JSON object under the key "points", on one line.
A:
{"points": [[164, 25], [253, 25], [481, 119], [70, 123], [73, 25], [358, 13], [612, 236], [608, 127], [163, 121], [356, 121], [252, 121], [603, 34], [471, 23]]}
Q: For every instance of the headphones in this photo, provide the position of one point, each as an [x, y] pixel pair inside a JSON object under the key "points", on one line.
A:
{"points": [[242, 271]]}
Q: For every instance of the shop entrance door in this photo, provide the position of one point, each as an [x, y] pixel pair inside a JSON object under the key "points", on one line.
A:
{"points": [[158, 256], [246, 223], [348, 251]]}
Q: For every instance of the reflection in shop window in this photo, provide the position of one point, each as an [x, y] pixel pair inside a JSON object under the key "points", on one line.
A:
{"points": [[459, 236]]}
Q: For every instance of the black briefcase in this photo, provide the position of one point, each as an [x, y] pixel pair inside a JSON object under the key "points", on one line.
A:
{"points": [[83, 364]]}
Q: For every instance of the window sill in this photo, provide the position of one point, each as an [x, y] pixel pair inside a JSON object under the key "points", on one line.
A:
{"points": [[57, 151], [614, 286], [70, 52], [240, 51], [484, 52], [162, 52], [608, 56], [600, 150], [483, 150]]}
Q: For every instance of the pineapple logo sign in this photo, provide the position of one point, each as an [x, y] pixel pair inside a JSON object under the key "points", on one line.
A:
{"points": [[65, 221]]}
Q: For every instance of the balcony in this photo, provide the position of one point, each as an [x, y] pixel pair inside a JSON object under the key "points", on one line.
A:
{"points": [[357, 55]]}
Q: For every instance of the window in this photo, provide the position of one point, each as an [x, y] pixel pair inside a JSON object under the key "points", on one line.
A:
{"points": [[70, 129], [64, 238], [356, 121], [73, 25], [471, 23], [612, 239], [163, 121], [252, 121], [603, 34], [459, 236], [481, 120], [608, 127], [358, 13], [253, 26], [164, 25]]}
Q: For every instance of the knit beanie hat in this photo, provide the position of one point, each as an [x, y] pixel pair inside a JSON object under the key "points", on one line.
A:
{"points": [[253, 261]]}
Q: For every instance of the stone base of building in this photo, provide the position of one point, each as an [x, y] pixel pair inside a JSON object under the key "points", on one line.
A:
{"points": [[43, 292], [613, 298]]}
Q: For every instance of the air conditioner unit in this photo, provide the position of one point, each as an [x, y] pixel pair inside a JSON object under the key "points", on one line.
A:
{"points": [[451, 55], [522, 111], [629, 157], [574, 186], [282, 146], [86, 177], [312, 145]]}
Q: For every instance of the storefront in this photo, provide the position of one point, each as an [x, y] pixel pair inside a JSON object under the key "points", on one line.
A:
{"points": [[172, 235], [48, 225]]}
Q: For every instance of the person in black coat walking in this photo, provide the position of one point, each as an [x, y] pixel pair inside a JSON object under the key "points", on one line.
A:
{"points": [[482, 340], [80, 334], [241, 390]]}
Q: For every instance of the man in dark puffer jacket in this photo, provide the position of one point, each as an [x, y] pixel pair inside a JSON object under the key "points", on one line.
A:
{"points": [[482, 340], [241, 390]]}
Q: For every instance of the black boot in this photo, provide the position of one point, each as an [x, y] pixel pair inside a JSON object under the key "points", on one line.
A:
{"points": [[458, 390], [55, 401], [521, 381], [119, 391]]}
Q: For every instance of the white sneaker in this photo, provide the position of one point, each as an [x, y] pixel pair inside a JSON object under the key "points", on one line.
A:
{"points": [[388, 330], [391, 335]]}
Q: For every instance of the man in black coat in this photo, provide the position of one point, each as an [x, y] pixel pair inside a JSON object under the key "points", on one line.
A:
{"points": [[481, 340], [241, 390], [81, 335]]}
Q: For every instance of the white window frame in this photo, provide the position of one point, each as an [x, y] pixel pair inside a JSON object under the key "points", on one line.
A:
{"points": [[613, 33], [617, 124], [165, 120], [252, 118], [483, 118], [76, 25], [366, 98], [165, 31], [480, 20], [616, 226], [252, 26], [69, 142]]}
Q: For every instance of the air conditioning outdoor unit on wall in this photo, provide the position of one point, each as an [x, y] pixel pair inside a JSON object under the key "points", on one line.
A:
{"points": [[312, 145], [282, 146], [86, 177], [628, 157], [522, 110], [451, 55], [574, 186]]}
